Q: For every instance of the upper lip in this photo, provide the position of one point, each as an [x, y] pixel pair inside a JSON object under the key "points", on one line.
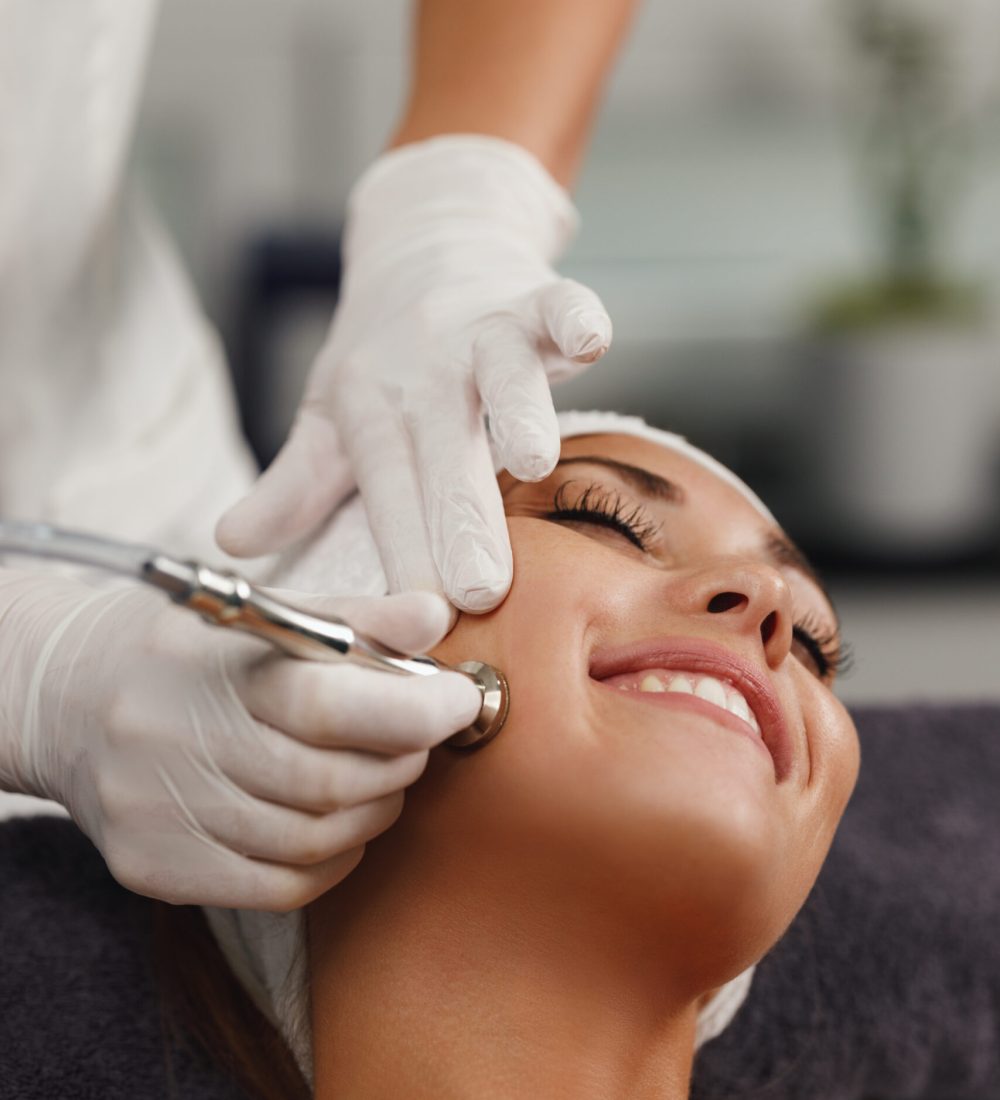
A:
{"points": [[701, 655]]}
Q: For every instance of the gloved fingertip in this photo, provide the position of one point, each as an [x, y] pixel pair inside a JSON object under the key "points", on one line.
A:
{"points": [[233, 534], [537, 467], [590, 338], [477, 568], [533, 458], [467, 700], [478, 579], [482, 595], [438, 613]]}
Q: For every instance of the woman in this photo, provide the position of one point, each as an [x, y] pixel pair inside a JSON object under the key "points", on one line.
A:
{"points": [[551, 913]]}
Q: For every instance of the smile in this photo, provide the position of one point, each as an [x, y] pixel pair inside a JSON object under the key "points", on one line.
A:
{"points": [[701, 675], [686, 682]]}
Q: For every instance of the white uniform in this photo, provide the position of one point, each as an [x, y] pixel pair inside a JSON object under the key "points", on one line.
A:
{"points": [[115, 406]]}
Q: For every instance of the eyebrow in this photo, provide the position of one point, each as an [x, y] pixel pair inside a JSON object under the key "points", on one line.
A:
{"points": [[643, 481]]}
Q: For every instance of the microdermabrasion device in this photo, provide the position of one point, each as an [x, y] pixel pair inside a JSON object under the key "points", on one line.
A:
{"points": [[227, 599]]}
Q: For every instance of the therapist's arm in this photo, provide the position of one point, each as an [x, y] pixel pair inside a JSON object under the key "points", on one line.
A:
{"points": [[529, 71], [451, 311]]}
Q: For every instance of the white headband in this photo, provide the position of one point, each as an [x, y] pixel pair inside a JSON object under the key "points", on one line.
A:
{"points": [[612, 423], [267, 951]]}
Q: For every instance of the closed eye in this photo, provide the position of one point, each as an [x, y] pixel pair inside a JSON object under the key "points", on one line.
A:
{"points": [[604, 507], [826, 654]]}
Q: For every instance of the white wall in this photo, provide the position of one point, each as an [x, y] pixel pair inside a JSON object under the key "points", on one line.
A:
{"points": [[918, 642], [720, 184]]}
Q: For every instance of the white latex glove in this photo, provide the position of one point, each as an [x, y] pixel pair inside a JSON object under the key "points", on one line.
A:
{"points": [[450, 308], [206, 768]]}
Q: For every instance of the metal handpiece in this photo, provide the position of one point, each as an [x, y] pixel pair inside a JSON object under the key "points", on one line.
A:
{"points": [[227, 599]]}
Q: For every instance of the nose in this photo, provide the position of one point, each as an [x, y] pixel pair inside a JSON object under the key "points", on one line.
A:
{"points": [[751, 598]]}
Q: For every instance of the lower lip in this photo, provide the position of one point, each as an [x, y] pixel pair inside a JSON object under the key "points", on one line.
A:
{"points": [[682, 701]]}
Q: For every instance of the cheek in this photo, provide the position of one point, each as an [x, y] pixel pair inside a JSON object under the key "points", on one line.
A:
{"points": [[539, 774], [836, 755], [537, 638], [537, 635], [816, 810]]}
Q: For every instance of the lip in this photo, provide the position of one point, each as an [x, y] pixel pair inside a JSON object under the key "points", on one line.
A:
{"points": [[700, 655]]}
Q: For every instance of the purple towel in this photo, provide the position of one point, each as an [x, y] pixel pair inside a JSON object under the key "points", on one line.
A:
{"points": [[886, 986]]}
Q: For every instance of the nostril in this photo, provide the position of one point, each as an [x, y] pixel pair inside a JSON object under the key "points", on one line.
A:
{"points": [[726, 601], [768, 627]]}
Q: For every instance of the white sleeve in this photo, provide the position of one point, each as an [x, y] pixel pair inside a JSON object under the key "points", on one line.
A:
{"points": [[116, 410]]}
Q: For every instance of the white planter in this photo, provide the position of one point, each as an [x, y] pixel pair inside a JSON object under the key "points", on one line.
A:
{"points": [[910, 437]]}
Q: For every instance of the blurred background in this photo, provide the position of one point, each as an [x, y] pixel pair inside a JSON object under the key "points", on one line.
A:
{"points": [[791, 209]]}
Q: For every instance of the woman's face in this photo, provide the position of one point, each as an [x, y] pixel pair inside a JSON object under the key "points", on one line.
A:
{"points": [[673, 748]]}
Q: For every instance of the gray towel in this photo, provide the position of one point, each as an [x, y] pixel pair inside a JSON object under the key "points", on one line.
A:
{"points": [[80, 1016], [886, 986]]}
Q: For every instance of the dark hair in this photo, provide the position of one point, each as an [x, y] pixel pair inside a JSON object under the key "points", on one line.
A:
{"points": [[202, 1000]]}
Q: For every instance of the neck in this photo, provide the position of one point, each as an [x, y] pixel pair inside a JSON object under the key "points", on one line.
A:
{"points": [[432, 978]]}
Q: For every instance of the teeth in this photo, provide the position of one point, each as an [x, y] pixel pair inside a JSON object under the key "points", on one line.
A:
{"points": [[738, 705], [708, 688], [711, 690]]}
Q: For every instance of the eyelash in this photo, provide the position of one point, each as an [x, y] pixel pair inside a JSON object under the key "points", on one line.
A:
{"points": [[605, 508], [832, 656]]}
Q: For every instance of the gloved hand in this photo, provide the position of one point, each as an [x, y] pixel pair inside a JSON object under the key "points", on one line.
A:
{"points": [[205, 767], [449, 308]]}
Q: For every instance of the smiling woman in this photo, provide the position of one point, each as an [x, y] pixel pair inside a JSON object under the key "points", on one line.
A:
{"points": [[550, 914], [578, 908]]}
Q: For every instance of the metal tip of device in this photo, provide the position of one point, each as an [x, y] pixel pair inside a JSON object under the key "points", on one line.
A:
{"points": [[493, 713]]}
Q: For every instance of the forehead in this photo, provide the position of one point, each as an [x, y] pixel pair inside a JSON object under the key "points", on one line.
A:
{"points": [[699, 484]]}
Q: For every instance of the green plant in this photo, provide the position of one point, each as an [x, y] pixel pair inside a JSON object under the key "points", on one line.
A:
{"points": [[914, 153]]}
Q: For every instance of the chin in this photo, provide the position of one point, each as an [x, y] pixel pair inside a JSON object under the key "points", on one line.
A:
{"points": [[713, 872]]}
